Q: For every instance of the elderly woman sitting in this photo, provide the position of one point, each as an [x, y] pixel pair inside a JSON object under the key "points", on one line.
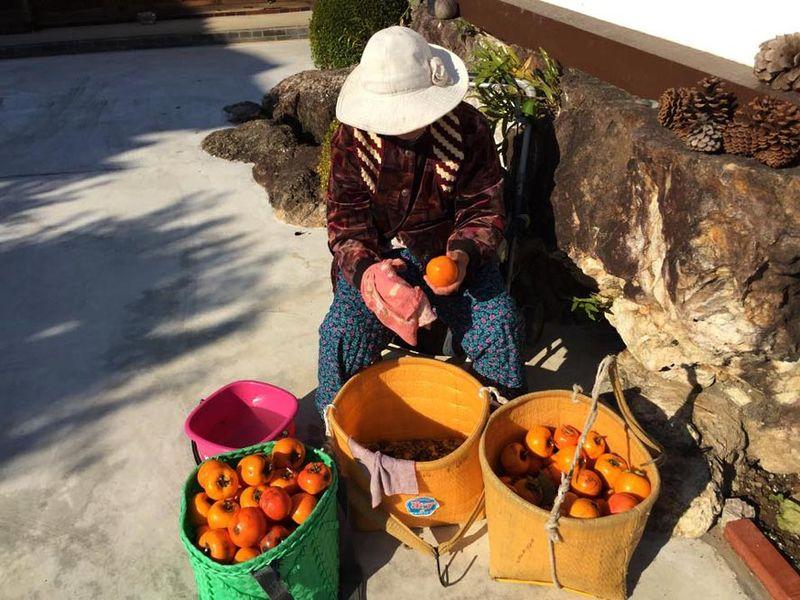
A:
{"points": [[415, 174]]}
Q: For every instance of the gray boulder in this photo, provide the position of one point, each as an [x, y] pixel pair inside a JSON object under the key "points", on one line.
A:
{"points": [[251, 142], [306, 101]]}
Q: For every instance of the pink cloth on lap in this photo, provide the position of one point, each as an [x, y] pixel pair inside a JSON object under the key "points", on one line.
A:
{"points": [[399, 306]]}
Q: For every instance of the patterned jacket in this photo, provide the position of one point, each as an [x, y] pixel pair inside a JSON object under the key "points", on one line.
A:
{"points": [[444, 191]]}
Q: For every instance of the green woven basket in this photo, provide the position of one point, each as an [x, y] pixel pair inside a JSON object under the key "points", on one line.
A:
{"points": [[306, 563]]}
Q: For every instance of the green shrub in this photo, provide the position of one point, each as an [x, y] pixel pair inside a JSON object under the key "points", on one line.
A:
{"points": [[324, 164], [512, 91], [339, 29]]}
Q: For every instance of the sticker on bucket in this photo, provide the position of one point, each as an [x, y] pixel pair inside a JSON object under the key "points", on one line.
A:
{"points": [[421, 506]]}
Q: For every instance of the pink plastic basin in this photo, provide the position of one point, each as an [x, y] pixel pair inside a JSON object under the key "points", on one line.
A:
{"points": [[241, 414]]}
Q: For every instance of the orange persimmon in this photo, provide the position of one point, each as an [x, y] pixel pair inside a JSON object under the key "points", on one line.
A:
{"points": [[254, 470], [217, 544], [288, 452], [248, 527], [442, 271], [303, 505], [539, 440], [566, 435], [314, 478], [610, 466], [594, 445], [634, 483], [222, 513], [515, 459]]}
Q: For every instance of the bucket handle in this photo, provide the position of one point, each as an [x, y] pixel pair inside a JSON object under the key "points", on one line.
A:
{"points": [[637, 430], [606, 368], [396, 528]]}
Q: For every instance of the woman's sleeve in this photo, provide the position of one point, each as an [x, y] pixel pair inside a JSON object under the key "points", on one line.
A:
{"points": [[479, 208], [352, 236]]}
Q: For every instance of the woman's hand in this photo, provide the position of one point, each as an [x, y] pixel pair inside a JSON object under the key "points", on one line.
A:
{"points": [[461, 259]]}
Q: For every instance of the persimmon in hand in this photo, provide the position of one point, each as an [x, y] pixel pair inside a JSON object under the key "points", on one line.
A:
{"points": [[442, 271]]}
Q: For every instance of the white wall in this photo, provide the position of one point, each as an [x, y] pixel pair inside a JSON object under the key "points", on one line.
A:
{"points": [[731, 30]]}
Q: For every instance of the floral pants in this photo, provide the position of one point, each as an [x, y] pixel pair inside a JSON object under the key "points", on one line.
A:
{"points": [[482, 316]]}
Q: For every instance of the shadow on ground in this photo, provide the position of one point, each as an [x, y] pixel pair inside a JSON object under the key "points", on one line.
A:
{"points": [[94, 297]]}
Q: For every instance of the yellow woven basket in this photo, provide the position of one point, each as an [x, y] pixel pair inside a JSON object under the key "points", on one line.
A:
{"points": [[413, 398], [593, 554]]}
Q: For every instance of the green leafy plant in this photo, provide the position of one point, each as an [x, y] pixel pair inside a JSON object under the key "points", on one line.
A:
{"points": [[593, 307], [339, 29], [788, 513], [324, 164], [512, 91]]}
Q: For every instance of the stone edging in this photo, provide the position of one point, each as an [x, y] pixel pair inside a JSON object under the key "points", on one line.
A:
{"points": [[153, 41], [770, 568]]}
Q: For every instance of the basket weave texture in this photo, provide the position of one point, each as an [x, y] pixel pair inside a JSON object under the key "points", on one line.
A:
{"points": [[593, 554], [415, 398], [307, 561]]}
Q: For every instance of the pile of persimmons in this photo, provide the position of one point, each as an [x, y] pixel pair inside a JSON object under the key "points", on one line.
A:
{"points": [[602, 482], [249, 509]]}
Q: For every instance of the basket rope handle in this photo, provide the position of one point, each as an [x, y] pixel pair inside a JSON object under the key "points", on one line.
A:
{"points": [[606, 368], [630, 420], [496, 399], [551, 527]]}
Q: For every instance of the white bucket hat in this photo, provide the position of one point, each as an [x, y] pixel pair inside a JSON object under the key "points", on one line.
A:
{"points": [[402, 83]]}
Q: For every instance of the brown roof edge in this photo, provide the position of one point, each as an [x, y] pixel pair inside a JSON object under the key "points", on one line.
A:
{"points": [[642, 64]]}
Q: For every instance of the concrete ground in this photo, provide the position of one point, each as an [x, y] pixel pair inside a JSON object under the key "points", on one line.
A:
{"points": [[140, 274]]}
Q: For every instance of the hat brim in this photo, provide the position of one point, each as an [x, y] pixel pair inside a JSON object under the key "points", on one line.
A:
{"points": [[397, 114]]}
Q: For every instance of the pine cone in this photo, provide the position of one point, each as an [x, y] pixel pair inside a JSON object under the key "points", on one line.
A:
{"points": [[705, 136], [737, 137], [711, 100], [776, 131], [676, 111], [778, 62], [681, 109], [777, 158]]}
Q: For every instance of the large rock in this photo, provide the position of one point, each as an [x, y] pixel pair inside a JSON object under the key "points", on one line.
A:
{"points": [[293, 188], [285, 168], [701, 257], [700, 254], [307, 101], [285, 146], [703, 435], [253, 141], [457, 36]]}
